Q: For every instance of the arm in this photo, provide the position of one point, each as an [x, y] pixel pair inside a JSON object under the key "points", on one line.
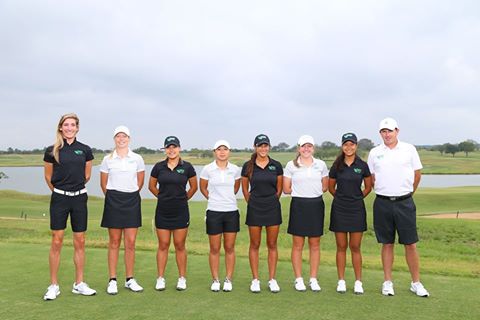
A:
{"points": [[287, 185], [140, 179], [103, 181], [204, 187], [88, 170], [279, 186], [367, 185], [325, 184], [48, 172], [332, 183], [236, 186], [193, 187], [416, 180], [246, 193], [373, 180], [152, 186]]}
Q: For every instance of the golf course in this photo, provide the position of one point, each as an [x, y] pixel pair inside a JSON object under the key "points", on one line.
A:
{"points": [[449, 251]]}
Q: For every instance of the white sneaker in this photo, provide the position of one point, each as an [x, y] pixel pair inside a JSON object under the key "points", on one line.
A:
{"points": [[387, 288], [273, 286], [112, 287], [314, 286], [52, 293], [133, 285], [160, 285], [215, 287], [181, 284], [255, 286], [358, 287], [419, 289], [300, 285], [341, 286], [83, 289], [227, 285]]}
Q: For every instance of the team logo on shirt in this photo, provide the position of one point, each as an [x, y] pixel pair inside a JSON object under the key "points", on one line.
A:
{"points": [[181, 171], [78, 152], [357, 170], [272, 168], [380, 156]]}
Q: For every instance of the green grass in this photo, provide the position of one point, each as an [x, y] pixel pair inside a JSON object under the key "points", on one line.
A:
{"points": [[449, 249], [432, 161]]}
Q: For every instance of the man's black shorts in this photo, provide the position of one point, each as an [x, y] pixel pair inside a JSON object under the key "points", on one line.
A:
{"points": [[395, 216], [219, 222], [62, 205]]}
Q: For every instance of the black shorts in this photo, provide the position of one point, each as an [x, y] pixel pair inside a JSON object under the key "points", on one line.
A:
{"points": [[307, 217], [264, 212], [61, 206], [122, 210], [395, 216], [222, 221]]}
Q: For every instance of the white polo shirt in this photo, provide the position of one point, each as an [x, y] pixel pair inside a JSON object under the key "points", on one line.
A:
{"points": [[394, 169], [306, 180], [221, 186], [122, 172]]}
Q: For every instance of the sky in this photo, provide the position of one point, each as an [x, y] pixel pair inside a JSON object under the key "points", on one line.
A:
{"points": [[209, 70]]}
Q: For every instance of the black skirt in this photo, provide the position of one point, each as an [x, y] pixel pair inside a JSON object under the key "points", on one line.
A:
{"points": [[307, 217], [348, 216], [264, 211], [122, 210], [172, 215]]}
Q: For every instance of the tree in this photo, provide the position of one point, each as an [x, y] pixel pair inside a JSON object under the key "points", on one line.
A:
{"points": [[466, 146], [3, 175], [440, 148], [451, 148], [365, 144], [328, 145], [282, 147]]}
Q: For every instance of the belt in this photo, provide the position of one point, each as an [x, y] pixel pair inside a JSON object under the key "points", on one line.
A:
{"points": [[396, 198], [70, 193]]}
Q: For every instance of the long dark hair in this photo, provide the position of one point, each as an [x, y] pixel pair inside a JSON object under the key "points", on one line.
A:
{"points": [[250, 164], [339, 162]]}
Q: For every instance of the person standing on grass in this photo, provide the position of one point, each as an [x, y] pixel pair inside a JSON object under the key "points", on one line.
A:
{"points": [[219, 182], [262, 187], [168, 181], [396, 172], [348, 217], [68, 166], [306, 179], [122, 174]]}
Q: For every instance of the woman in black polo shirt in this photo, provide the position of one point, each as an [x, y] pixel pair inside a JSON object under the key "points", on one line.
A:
{"points": [[168, 181], [348, 217], [68, 166], [262, 179]]}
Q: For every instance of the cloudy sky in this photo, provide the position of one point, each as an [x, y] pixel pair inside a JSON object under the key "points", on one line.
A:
{"points": [[204, 70]]}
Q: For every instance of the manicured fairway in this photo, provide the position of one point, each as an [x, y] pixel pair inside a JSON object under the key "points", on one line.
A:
{"points": [[449, 249]]}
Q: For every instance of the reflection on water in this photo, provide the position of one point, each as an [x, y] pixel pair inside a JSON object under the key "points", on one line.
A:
{"points": [[31, 180]]}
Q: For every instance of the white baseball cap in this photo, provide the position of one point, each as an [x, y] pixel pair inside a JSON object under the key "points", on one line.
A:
{"points": [[220, 143], [388, 123], [122, 129], [305, 139]]}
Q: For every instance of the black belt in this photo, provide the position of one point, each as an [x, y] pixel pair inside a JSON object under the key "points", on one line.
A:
{"points": [[397, 198]]}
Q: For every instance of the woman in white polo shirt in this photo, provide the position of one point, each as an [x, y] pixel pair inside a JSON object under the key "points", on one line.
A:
{"points": [[122, 174], [306, 179], [219, 182]]}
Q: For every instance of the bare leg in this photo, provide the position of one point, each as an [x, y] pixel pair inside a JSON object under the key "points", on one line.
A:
{"points": [[163, 236], [272, 236], [255, 239], [179, 237], [342, 243], [214, 256], [114, 241], [79, 255], [314, 247], [297, 248], [229, 247], [130, 235], [355, 245], [54, 256], [411, 255], [387, 260]]}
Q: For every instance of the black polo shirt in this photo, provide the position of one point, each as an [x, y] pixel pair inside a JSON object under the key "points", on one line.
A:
{"points": [[172, 183], [69, 174], [264, 181], [349, 179]]}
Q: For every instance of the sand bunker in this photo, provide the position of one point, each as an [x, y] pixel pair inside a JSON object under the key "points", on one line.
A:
{"points": [[470, 216]]}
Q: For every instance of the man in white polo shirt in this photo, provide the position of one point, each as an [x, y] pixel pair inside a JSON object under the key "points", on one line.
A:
{"points": [[396, 173]]}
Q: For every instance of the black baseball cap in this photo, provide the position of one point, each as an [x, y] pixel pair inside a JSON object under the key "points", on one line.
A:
{"points": [[349, 137], [261, 139], [171, 140]]}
